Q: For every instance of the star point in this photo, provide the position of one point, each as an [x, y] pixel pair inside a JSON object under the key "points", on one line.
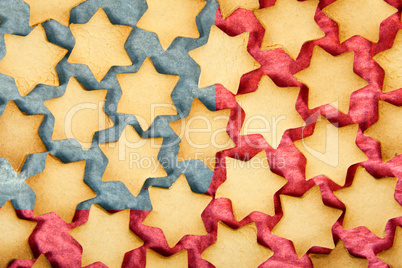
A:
{"points": [[393, 256], [79, 113], [169, 214], [146, 94], [31, 60], [288, 25], [132, 160], [306, 221], [99, 44], [19, 135], [106, 237], [59, 188], [359, 17], [236, 247], [333, 75], [220, 52], [369, 202], [172, 18], [250, 186], [229, 6]]}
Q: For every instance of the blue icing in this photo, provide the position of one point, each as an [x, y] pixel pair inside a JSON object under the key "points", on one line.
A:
{"points": [[14, 16]]}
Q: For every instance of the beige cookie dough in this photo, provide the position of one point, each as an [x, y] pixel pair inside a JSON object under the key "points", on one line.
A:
{"points": [[270, 111], [306, 221], [171, 18], [330, 79], [99, 44], [391, 61], [106, 237], [42, 262], [369, 202], [338, 257], [224, 60], [359, 17], [31, 60], [19, 135], [14, 235], [387, 130], [330, 151], [227, 7], [203, 134], [132, 160], [393, 256], [236, 247], [43, 10], [288, 25], [59, 188], [177, 211], [250, 186], [146, 94], [79, 113], [156, 260]]}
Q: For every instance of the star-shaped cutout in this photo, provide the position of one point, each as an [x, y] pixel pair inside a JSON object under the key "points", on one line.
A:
{"points": [[99, 44], [105, 237], [132, 160], [14, 233], [79, 114], [387, 130], [393, 256], [250, 186], [236, 248], [390, 61], [306, 221], [171, 18], [59, 188], [288, 25], [44, 10], [42, 262], [330, 79], [369, 202], [19, 135], [270, 111], [330, 151], [202, 133], [146, 94], [338, 257], [169, 214], [177, 260], [359, 17], [220, 52], [227, 7], [31, 60]]}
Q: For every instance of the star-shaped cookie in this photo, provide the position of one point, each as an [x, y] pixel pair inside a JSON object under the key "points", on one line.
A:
{"points": [[59, 188], [79, 114], [99, 44], [106, 237], [14, 234], [236, 247], [330, 79], [171, 18], [132, 160], [177, 211], [202, 133], [218, 54], [19, 135], [250, 186], [330, 151], [146, 94], [31, 60], [270, 111], [369, 202], [288, 25], [387, 130], [44, 10]]}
